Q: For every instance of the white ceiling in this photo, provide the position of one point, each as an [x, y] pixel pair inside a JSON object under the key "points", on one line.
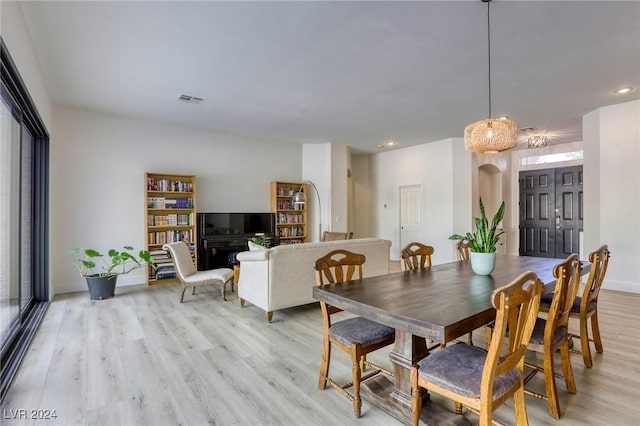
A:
{"points": [[354, 73]]}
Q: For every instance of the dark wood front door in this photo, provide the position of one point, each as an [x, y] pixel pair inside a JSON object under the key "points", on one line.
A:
{"points": [[551, 212]]}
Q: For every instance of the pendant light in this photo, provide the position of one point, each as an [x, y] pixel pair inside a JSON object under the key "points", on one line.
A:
{"points": [[491, 135]]}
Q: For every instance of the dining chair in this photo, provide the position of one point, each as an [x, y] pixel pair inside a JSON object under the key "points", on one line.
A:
{"points": [[551, 334], [356, 336], [586, 307], [190, 277], [462, 250], [482, 379], [415, 256], [335, 236]]}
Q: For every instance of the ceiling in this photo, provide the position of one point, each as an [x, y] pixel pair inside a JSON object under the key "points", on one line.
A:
{"points": [[353, 73]]}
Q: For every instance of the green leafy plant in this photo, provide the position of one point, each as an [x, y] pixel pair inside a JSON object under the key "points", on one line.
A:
{"points": [[484, 240], [258, 239], [114, 263]]}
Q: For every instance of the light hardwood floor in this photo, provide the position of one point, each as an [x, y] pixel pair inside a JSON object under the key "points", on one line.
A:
{"points": [[142, 358]]}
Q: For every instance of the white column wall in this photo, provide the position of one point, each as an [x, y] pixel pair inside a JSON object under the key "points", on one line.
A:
{"points": [[612, 209], [316, 167]]}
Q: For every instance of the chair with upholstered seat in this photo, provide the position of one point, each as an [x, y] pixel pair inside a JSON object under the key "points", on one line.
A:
{"points": [[356, 336], [483, 380], [189, 276], [586, 307], [335, 236], [415, 256], [551, 334]]}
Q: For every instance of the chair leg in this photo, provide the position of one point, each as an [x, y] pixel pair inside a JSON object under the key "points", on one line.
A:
{"points": [[269, 315], [356, 374], [595, 329], [470, 338], [416, 398], [550, 384], [519, 407], [194, 290], [584, 341], [182, 293], [324, 365], [567, 370], [241, 301], [224, 290]]}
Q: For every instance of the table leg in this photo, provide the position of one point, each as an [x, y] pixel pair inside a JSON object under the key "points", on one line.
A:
{"points": [[395, 396]]}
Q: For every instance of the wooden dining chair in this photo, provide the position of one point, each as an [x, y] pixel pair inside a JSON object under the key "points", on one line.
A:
{"points": [[415, 256], [336, 236], [586, 307], [551, 334], [483, 380], [462, 250], [356, 336], [189, 276]]}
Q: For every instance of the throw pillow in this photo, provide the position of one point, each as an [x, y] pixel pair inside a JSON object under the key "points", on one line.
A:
{"points": [[253, 246]]}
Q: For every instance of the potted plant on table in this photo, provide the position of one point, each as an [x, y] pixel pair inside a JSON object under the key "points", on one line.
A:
{"points": [[482, 243], [102, 282]]}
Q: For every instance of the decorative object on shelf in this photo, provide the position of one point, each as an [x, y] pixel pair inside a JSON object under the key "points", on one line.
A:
{"points": [[537, 141], [102, 283], [491, 135], [299, 197], [483, 241]]}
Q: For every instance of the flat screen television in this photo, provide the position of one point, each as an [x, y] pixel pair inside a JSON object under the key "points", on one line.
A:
{"points": [[210, 224]]}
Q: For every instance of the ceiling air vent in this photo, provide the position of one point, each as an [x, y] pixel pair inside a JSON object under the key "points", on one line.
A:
{"points": [[190, 99]]}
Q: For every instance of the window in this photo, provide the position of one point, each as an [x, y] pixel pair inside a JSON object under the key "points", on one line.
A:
{"points": [[551, 158], [24, 164]]}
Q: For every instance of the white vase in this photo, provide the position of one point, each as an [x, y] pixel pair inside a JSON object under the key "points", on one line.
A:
{"points": [[483, 263]]}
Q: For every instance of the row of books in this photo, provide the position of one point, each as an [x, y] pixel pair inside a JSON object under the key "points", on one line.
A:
{"points": [[169, 203], [163, 271], [290, 241], [290, 218], [168, 185], [288, 205], [163, 237], [170, 220], [287, 191], [291, 232]]}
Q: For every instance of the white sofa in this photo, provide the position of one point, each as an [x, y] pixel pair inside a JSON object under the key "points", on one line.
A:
{"points": [[283, 276]]}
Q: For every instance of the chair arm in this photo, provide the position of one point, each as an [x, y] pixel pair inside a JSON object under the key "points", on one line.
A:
{"points": [[253, 256]]}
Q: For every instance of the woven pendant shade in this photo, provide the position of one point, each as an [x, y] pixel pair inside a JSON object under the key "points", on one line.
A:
{"points": [[491, 136]]}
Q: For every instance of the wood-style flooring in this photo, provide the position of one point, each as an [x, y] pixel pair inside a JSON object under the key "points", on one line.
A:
{"points": [[142, 358]]}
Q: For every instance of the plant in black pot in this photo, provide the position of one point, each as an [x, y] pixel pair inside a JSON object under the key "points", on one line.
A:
{"points": [[101, 278], [482, 243]]}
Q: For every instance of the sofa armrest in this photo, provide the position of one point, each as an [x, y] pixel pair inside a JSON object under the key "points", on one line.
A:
{"points": [[253, 256]]}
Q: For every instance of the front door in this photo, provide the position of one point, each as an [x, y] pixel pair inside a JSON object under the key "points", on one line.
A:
{"points": [[551, 212]]}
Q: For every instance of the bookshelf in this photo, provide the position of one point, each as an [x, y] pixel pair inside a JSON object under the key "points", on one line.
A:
{"points": [[291, 220], [170, 212]]}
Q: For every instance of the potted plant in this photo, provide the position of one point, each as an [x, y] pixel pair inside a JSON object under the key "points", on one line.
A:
{"points": [[101, 279], [482, 243]]}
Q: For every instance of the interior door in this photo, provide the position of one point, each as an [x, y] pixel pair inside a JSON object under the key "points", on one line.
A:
{"points": [[551, 212], [410, 214]]}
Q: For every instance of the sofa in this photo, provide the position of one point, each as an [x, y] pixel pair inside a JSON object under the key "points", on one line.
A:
{"points": [[283, 276]]}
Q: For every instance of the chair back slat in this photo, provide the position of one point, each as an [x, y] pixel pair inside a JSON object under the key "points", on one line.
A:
{"points": [[516, 305], [415, 256], [567, 275], [599, 262], [462, 250]]}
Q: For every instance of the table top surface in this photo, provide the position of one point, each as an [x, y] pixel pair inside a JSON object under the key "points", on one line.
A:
{"points": [[441, 303]]}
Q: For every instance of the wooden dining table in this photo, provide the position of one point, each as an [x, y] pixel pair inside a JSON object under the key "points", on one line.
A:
{"points": [[440, 303]]}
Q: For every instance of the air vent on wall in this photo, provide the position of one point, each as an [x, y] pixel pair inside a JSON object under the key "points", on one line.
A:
{"points": [[190, 99]]}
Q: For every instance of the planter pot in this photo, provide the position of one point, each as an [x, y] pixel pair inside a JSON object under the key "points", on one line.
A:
{"points": [[483, 263], [101, 287]]}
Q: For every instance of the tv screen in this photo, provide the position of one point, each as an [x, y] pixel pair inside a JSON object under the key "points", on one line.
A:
{"points": [[235, 223]]}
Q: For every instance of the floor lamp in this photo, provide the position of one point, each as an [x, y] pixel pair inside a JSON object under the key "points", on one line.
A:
{"points": [[300, 197]]}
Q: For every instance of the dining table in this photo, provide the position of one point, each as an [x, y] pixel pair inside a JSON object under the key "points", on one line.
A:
{"points": [[440, 303]]}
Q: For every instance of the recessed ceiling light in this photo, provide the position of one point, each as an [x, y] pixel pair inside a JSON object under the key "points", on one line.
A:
{"points": [[190, 99], [623, 90], [391, 143]]}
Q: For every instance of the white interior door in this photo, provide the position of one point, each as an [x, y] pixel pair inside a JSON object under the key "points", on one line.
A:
{"points": [[411, 228]]}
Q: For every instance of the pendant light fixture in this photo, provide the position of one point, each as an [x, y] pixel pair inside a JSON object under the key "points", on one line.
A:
{"points": [[491, 135]]}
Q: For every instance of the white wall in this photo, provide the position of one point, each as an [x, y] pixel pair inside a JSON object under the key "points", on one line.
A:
{"points": [[316, 168], [97, 169], [612, 209], [16, 36], [434, 166]]}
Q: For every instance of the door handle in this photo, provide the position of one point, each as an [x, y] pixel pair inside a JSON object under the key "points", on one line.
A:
{"points": [[557, 221]]}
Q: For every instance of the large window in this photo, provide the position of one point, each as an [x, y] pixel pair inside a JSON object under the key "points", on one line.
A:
{"points": [[23, 219]]}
